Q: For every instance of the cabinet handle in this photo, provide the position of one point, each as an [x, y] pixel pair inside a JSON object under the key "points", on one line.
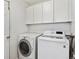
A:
{"points": [[8, 37], [64, 46]]}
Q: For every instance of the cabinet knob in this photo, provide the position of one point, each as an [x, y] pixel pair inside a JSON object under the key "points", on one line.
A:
{"points": [[64, 46], [8, 37]]}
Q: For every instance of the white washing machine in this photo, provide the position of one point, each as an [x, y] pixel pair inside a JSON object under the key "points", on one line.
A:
{"points": [[53, 45], [26, 45]]}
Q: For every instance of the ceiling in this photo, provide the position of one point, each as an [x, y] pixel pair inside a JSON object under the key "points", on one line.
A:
{"points": [[31, 2]]}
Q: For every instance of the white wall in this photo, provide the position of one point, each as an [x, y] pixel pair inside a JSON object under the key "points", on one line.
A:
{"points": [[17, 24], [66, 27]]}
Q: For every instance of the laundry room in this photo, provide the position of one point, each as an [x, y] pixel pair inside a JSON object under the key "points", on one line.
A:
{"points": [[41, 24]]}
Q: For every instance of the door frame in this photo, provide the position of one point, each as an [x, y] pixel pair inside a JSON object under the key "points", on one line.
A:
{"points": [[8, 37]]}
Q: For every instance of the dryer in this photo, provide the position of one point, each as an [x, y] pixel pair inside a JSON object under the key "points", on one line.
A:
{"points": [[26, 45], [52, 45]]}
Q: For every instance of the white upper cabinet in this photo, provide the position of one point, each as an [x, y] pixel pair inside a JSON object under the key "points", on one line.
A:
{"points": [[38, 13], [61, 10], [47, 12], [50, 12], [29, 15]]}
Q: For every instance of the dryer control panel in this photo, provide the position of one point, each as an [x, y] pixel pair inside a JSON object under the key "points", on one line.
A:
{"points": [[55, 34]]}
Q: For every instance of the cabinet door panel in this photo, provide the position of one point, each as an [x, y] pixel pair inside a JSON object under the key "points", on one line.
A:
{"points": [[29, 15], [6, 19], [48, 11], [38, 13], [61, 10]]}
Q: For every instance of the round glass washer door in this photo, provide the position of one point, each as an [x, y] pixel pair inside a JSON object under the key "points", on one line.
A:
{"points": [[25, 47]]}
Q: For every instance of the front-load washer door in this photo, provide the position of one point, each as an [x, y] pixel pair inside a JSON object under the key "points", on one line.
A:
{"points": [[25, 47]]}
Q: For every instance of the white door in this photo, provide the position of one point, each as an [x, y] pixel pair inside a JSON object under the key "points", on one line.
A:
{"points": [[47, 11], [61, 10], [38, 13], [29, 15], [6, 31]]}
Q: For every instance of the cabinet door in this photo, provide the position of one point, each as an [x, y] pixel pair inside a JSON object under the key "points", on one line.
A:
{"points": [[38, 13], [61, 10], [6, 19], [47, 11], [29, 15]]}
